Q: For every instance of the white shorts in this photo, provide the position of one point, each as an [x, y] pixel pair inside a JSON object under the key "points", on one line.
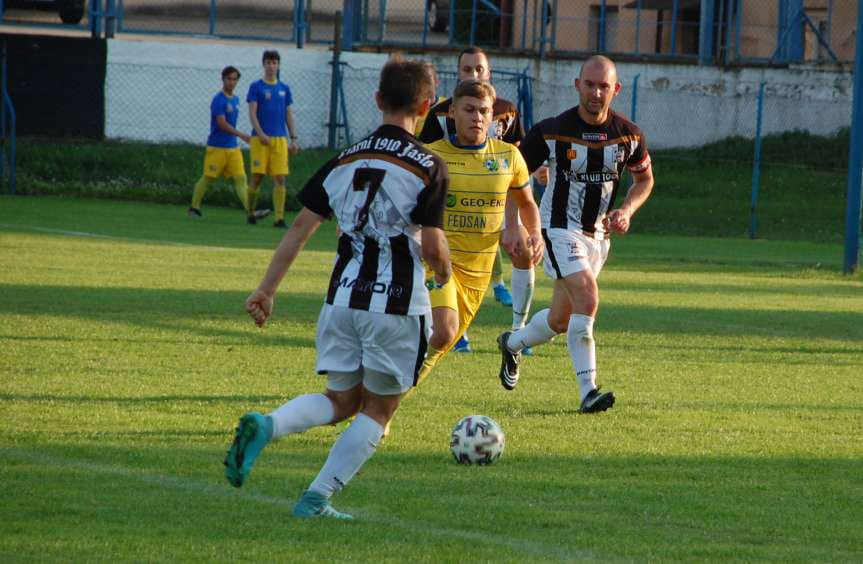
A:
{"points": [[568, 252], [381, 350]]}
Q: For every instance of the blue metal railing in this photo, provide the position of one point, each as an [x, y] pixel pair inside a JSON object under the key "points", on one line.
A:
{"points": [[540, 26], [8, 127]]}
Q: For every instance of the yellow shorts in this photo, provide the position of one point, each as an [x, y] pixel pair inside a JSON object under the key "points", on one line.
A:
{"points": [[271, 159], [455, 295], [224, 162]]}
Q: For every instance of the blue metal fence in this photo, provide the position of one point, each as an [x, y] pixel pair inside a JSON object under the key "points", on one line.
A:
{"points": [[707, 31]]}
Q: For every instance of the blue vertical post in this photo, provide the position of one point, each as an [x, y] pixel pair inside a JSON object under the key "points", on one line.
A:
{"points": [[473, 23], [349, 27], [451, 27], [738, 23], [212, 17], [705, 33], [638, 27], [300, 24], [121, 12], [675, 10], [541, 18], [524, 25], [425, 27], [6, 104], [382, 12], [789, 31], [335, 86], [110, 18], [634, 111], [602, 27], [729, 22], [855, 160], [756, 167], [95, 18]]}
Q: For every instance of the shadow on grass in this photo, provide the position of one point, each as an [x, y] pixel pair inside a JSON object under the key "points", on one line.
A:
{"points": [[189, 311]]}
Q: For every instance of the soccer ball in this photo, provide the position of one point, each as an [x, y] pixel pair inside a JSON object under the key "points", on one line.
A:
{"points": [[476, 439]]}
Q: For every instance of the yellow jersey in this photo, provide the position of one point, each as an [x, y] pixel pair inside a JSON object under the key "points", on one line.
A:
{"points": [[479, 178]]}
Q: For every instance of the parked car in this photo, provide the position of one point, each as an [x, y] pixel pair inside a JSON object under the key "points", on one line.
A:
{"points": [[70, 11], [438, 14]]}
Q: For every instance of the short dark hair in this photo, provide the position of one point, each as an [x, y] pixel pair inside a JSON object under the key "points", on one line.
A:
{"points": [[405, 84], [472, 50], [228, 70], [271, 55], [474, 89]]}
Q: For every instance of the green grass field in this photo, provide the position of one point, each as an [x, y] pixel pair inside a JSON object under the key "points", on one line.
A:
{"points": [[127, 358]]}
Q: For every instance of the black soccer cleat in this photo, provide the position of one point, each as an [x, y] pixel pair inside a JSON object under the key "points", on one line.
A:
{"points": [[251, 219], [594, 402], [194, 212], [508, 363], [280, 224]]}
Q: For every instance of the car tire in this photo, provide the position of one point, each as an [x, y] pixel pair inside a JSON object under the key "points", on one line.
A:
{"points": [[72, 12], [437, 19]]}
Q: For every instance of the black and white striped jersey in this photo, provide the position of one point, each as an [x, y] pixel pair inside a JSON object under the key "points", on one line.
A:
{"points": [[585, 165], [380, 191]]}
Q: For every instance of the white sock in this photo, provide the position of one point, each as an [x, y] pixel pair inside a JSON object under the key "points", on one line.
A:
{"points": [[522, 295], [582, 351], [355, 445], [536, 332], [301, 413]]}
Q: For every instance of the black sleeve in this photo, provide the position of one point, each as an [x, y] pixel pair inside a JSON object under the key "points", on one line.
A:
{"points": [[431, 200], [533, 148], [516, 133], [431, 128], [313, 195]]}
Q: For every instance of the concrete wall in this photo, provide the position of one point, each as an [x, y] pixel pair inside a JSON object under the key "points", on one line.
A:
{"points": [[161, 92]]}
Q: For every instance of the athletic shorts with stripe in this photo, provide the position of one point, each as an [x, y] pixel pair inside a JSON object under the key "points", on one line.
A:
{"points": [[381, 350], [568, 252]]}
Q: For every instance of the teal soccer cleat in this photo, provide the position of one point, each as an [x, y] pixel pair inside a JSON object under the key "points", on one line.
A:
{"points": [[253, 433], [312, 504]]}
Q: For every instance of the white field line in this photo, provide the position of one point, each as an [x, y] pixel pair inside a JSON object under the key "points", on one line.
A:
{"points": [[203, 488], [90, 235]]}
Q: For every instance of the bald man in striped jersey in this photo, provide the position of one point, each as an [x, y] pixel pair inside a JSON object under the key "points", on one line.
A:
{"points": [[588, 147]]}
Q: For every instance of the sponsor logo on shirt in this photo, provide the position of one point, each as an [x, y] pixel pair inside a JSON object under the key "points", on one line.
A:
{"points": [[594, 136], [268, 94], [230, 109], [494, 165], [450, 200], [282, 93], [482, 202]]}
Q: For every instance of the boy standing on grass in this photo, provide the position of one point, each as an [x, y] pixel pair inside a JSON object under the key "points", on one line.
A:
{"points": [[387, 193], [272, 120], [588, 147], [223, 157]]}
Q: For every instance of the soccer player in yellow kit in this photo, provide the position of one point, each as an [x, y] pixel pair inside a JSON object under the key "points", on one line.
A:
{"points": [[489, 180], [223, 157], [272, 120]]}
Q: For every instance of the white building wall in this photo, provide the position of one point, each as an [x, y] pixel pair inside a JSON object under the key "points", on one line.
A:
{"points": [[157, 91]]}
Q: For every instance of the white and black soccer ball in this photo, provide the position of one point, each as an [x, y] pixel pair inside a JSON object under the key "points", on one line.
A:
{"points": [[476, 439]]}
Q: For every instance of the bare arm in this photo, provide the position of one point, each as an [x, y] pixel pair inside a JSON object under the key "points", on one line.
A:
{"points": [[260, 304], [256, 125], [227, 127], [618, 220], [436, 253], [293, 146], [520, 203]]}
